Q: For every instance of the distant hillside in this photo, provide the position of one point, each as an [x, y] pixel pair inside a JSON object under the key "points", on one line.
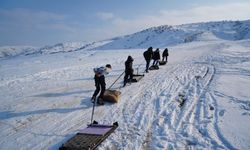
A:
{"points": [[10, 51], [162, 36]]}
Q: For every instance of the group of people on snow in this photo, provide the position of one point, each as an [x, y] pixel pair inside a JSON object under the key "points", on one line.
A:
{"points": [[100, 73], [149, 54]]}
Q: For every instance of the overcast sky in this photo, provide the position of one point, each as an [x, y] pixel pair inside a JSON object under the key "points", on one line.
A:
{"points": [[45, 22]]}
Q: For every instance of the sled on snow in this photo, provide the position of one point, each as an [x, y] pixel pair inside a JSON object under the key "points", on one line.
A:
{"points": [[137, 77], [154, 67], [162, 63], [94, 134], [112, 96], [90, 137]]}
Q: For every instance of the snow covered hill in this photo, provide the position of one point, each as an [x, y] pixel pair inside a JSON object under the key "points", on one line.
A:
{"points": [[10, 51], [61, 47], [162, 36], [45, 99]]}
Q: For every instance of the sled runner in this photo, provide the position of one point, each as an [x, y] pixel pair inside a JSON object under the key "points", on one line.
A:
{"points": [[162, 63], [155, 67], [90, 137], [112, 96]]}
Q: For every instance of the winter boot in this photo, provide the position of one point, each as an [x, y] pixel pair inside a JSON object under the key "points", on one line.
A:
{"points": [[124, 84], [93, 99], [100, 101]]}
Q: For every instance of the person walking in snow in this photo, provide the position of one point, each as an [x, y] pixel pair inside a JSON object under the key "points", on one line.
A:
{"points": [[165, 54], [156, 57], [148, 56], [100, 82], [128, 70]]}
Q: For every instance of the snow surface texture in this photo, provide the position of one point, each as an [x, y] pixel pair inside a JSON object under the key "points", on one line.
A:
{"points": [[45, 99]]}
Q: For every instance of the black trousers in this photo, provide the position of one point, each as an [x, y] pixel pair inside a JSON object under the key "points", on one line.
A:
{"points": [[100, 85], [165, 57], [147, 64], [155, 63], [128, 77]]}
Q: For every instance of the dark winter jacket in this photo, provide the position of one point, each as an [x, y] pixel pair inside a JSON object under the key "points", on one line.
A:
{"points": [[165, 53], [156, 54], [148, 54], [129, 65]]}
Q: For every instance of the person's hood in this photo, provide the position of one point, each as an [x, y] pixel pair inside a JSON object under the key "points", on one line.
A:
{"points": [[130, 58]]}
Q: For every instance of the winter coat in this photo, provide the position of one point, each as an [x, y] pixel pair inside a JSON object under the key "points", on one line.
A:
{"points": [[129, 65], [148, 54], [165, 53], [156, 55]]}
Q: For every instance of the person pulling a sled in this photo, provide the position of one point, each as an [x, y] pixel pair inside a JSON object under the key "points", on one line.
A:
{"points": [[100, 82], [156, 57], [128, 70], [148, 56], [165, 54]]}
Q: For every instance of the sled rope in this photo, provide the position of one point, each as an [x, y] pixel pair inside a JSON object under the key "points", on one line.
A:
{"points": [[93, 111], [139, 66], [116, 80]]}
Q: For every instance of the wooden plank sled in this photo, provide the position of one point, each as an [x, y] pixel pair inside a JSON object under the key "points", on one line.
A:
{"points": [[137, 77], [155, 67], [90, 137], [162, 63]]}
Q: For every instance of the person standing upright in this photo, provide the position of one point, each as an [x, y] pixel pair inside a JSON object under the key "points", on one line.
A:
{"points": [[128, 70], [165, 55], [148, 56], [156, 57]]}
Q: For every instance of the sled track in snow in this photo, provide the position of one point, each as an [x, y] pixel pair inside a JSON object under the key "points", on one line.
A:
{"points": [[153, 115], [139, 105], [195, 123], [181, 127]]}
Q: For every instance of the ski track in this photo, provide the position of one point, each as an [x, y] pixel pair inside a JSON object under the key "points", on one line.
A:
{"points": [[149, 117], [194, 125], [142, 108]]}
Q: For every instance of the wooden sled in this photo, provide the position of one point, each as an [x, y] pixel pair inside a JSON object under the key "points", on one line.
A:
{"points": [[155, 67], [90, 137], [137, 77], [162, 63], [112, 96]]}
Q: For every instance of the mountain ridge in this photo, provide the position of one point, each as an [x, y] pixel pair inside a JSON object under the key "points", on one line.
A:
{"points": [[159, 36]]}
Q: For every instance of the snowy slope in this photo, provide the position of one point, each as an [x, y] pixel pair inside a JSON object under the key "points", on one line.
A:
{"points": [[164, 36], [8, 51], [161, 37], [61, 47], [11, 51], [46, 104], [45, 99]]}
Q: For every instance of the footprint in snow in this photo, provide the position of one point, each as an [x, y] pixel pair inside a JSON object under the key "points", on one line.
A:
{"points": [[222, 112], [211, 107], [246, 114]]}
